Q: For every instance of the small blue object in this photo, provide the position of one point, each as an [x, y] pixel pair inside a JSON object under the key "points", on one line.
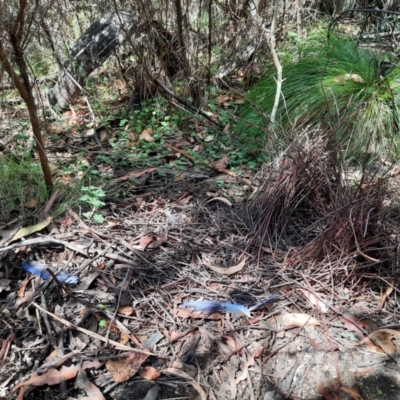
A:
{"points": [[39, 269], [261, 303], [209, 306]]}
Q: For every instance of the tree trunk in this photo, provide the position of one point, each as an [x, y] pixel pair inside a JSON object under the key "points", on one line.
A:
{"points": [[90, 51]]}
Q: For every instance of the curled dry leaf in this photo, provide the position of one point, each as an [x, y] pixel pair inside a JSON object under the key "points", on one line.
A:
{"points": [[288, 321], [226, 201], [149, 373], [126, 310], [383, 339], [227, 271], [150, 241], [134, 174], [384, 296]]}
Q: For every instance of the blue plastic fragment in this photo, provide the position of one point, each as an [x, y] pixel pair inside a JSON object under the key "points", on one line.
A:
{"points": [[38, 269]]}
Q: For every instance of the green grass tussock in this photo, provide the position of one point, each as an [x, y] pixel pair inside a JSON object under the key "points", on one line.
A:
{"points": [[335, 85]]}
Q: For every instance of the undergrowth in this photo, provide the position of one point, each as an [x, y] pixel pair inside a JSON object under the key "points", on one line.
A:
{"points": [[335, 84]]}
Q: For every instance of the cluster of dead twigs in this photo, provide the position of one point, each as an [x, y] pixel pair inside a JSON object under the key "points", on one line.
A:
{"points": [[311, 211]]}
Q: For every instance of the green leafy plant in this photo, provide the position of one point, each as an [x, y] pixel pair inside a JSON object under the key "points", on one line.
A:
{"points": [[338, 86], [91, 196]]}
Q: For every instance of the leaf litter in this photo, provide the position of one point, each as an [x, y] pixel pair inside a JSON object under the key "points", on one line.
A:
{"points": [[329, 327]]}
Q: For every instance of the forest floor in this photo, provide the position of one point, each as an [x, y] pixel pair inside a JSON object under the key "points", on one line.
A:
{"points": [[169, 236]]}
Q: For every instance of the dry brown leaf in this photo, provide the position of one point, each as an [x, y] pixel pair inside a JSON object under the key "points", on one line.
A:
{"points": [[257, 349], [356, 325], [126, 310], [226, 271], [134, 174], [147, 135], [353, 324], [51, 377], [125, 369], [223, 349], [388, 292], [53, 128], [222, 163], [124, 338], [214, 286], [184, 200], [182, 374], [223, 99], [288, 321], [31, 229], [150, 241], [82, 382], [31, 204], [330, 393], [149, 373], [230, 342], [383, 339], [21, 291]]}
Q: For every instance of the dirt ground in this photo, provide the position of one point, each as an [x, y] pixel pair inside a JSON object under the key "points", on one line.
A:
{"points": [[156, 251]]}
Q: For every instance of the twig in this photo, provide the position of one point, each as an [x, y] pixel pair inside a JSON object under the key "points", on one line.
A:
{"points": [[186, 104], [42, 240], [94, 335], [276, 62]]}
